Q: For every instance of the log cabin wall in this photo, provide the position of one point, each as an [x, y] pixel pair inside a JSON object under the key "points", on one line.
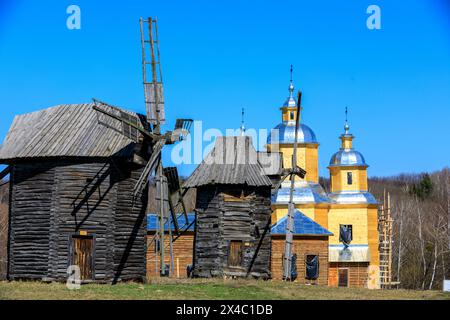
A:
{"points": [[30, 213], [302, 246], [52, 201], [83, 202], [227, 214], [130, 227], [207, 259]]}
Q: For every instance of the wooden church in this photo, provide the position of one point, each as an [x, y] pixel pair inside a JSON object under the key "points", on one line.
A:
{"points": [[233, 213], [71, 199]]}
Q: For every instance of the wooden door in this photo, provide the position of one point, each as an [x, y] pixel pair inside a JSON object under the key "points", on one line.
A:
{"points": [[343, 277], [82, 255], [235, 254]]}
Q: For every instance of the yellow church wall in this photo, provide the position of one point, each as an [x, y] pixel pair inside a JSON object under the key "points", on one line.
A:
{"points": [[338, 176], [307, 159], [335, 178], [355, 177], [363, 184], [363, 219], [288, 152], [286, 114], [373, 241], [312, 164], [373, 281], [347, 143], [321, 216], [357, 217]]}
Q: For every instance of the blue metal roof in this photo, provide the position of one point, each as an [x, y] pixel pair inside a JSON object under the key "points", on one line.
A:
{"points": [[153, 223], [304, 192], [285, 133], [302, 226], [347, 157]]}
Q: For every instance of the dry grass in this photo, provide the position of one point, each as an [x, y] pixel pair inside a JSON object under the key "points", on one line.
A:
{"points": [[205, 289]]}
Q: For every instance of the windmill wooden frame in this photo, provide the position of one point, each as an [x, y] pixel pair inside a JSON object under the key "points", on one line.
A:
{"points": [[151, 135]]}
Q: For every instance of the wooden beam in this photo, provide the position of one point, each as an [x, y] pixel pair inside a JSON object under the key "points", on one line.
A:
{"points": [[5, 172], [109, 114]]}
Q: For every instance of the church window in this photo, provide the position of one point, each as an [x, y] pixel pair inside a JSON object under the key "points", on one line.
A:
{"points": [[349, 178], [292, 115], [345, 233]]}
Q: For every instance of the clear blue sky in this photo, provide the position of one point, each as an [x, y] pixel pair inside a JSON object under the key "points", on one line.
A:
{"points": [[219, 56]]}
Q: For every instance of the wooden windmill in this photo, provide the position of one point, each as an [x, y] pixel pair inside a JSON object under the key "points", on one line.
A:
{"points": [[149, 136]]}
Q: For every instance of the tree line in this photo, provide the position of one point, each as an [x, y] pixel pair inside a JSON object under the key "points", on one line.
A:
{"points": [[420, 208]]}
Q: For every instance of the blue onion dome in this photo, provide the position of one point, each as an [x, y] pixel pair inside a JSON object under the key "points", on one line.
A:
{"points": [[348, 157], [285, 133]]}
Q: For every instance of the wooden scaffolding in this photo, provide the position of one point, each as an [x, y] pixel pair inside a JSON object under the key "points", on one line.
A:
{"points": [[385, 223]]}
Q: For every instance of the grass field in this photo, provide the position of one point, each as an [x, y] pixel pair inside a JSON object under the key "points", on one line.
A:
{"points": [[203, 289]]}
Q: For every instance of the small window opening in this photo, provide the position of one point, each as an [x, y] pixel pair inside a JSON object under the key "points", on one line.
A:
{"points": [[349, 178], [312, 267], [292, 115]]}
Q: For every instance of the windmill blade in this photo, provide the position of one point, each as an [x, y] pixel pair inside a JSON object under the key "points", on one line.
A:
{"points": [[175, 188], [153, 89], [277, 187], [172, 178], [173, 215], [154, 102], [181, 130], [120, 121], [173, 185], [149, 168], [289, 173]]}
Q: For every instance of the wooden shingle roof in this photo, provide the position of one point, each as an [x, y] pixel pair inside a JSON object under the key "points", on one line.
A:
{"points": [[65, 131], [233, 160]]}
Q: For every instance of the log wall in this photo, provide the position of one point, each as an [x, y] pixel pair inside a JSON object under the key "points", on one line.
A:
{"points": [[226, 214], [52, 201], [30, 215]]}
